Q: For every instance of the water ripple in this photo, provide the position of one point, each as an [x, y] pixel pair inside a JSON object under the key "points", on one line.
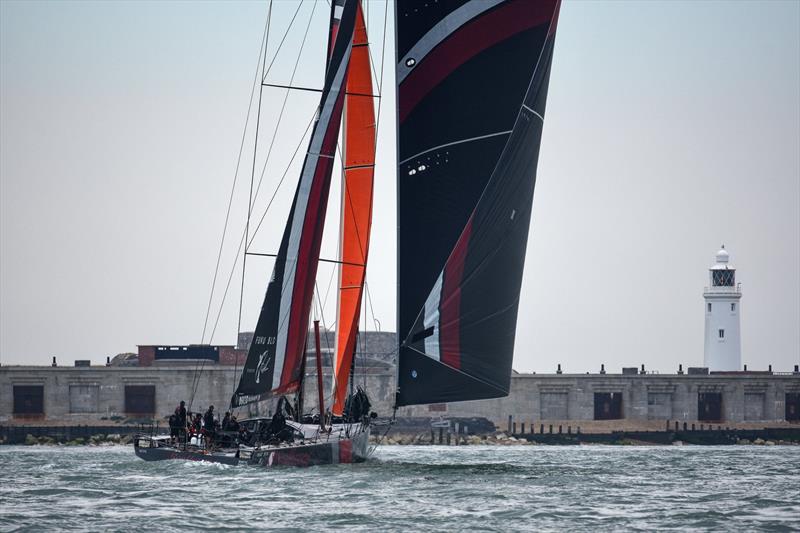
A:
{"points": [[410, 488]]}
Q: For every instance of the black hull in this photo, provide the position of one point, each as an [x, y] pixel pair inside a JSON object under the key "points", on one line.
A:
{"points": [[164, 453], [335, 451], [354, 449]]}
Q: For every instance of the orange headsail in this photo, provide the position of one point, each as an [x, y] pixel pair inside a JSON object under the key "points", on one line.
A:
{"points": [[358, 156]]}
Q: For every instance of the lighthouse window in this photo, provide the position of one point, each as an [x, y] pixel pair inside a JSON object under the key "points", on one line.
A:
{"points": [[733, 307], [722, 334], [709, 308], [723, 278]]}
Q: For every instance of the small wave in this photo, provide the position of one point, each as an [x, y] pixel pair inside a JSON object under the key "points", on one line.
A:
{"points": [[410, 488]]}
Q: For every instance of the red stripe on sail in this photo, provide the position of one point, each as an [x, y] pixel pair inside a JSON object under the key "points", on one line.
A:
{"points": [[467, 42], [334, 33], [450, 306], [308, 253], [306, 270]]}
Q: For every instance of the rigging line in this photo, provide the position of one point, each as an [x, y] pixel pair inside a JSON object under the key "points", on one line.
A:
{"points": [[250, 193], [314, 305], [295, 87], [380, 83], [377, 119], [261, 50], [327, 344], [364, 348], [380, 441], [282, 320], [249, 204], [369, 50], [375, 321], [322, 316], [280, 182], [338, 148], [339, 255], [313, 89], [283, 107], [338, 249], [216, 322], [320, 259], [317, 303], [273, 139], [339, 240], [374, 154], [235, 175], [344, 176], [291, 23], [241, 242], [227, 287], [383, 48], [346, 190], [321, 310]]}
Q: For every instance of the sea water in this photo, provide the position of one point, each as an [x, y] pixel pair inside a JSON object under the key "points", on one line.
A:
{"points": [[410, 488]]}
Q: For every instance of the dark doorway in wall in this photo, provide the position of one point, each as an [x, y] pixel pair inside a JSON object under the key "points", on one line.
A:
{"points": [[607, 405], [140, 399], [793, 406], [709, 406], [28, 400]]}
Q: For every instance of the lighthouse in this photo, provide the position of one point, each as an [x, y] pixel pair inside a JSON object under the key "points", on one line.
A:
{"points": [[723, 349]]}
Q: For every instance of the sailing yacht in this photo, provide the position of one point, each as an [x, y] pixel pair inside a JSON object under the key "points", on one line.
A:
{"points": [[471, 87]]}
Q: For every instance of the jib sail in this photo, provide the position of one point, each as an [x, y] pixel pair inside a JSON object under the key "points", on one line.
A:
{"points": [[358, 153], [274, 359], [472, 83]]}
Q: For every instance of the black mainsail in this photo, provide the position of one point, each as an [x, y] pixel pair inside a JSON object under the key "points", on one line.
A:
{"points": [[275, 357], [472, 79]]}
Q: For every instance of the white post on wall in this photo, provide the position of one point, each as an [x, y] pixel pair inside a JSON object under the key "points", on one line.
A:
{"points": [[723, 341]]}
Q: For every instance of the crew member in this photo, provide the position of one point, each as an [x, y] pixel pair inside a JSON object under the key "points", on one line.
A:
{"points": [[197, 425], [209, 425], [180, 419]]}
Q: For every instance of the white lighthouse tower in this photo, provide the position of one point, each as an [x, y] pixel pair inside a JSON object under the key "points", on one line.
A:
{"points": [[723, 349]]}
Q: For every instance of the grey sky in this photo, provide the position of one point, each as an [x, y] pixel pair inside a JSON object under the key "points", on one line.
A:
{"points": [[671, 127]]}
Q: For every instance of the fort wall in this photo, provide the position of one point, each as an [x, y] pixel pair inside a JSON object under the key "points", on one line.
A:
{"points": [[68, 395]]}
